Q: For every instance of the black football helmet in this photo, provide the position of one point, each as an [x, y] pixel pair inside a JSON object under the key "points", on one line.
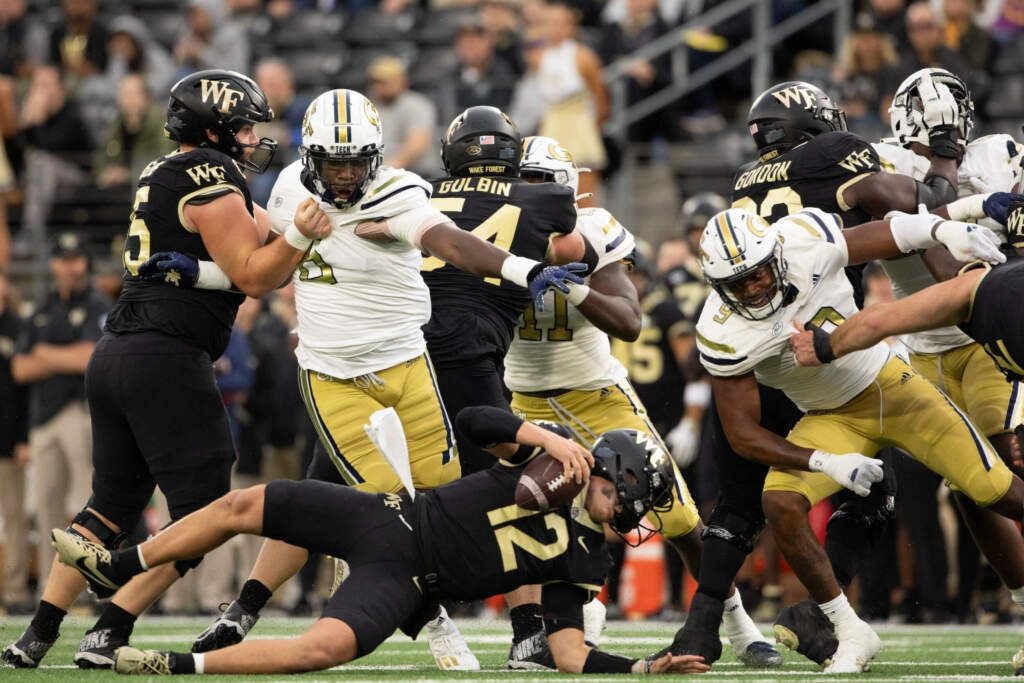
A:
{"points": [[222, 101], [481, 141], [787, 114], [698, 210], [643, 476]]}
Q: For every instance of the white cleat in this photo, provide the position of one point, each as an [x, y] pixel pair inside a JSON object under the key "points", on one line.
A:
{"points": [[451, 653], [857, 647], [594, 615], [1018, 662], [341, 573]]}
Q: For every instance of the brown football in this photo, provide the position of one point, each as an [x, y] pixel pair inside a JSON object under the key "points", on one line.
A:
{"points": [[543, 485]]}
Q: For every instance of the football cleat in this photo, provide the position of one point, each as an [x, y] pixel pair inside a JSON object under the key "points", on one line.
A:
{"points": [[96, 649], [128, 660], [27, 651], [594, 616], [341, 572], [805, 628], [531, 654], [451, 653], [90, 559], [857, 648], [760, 655], [1018, 662], [230, 628]]}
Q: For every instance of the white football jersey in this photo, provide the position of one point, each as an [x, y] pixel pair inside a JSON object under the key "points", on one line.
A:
{"points": [[730, 345], [558, 348], [360, 302], [991, 164]]}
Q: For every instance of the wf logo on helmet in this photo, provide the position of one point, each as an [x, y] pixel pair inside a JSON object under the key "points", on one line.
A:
{"points": [[223, 96], [796, 95]]}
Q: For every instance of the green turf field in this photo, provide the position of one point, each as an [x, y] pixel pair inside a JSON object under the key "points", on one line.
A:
{"points": [[923, 653]]}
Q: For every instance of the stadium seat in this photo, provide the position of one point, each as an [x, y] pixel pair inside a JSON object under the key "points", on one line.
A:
{"points": [[438, 27], [307, 29], [1007, 100], [317, 69], [372, 27]]}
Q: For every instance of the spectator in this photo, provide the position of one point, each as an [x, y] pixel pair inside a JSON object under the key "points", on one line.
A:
{"points": [[211, 40], [889, 19], [409, 119], [963, 35], [502, 21], [638, 26], [13, 458], [526, 108], [479, 78], [78, 44], [135, 136], [57, 146], [23, 41], [51, 357], [132, 49], [866, 75], [276, 80], [572, 90], [926, 49]]}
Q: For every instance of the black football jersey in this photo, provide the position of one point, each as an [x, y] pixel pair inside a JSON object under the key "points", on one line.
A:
{"points": [[473, 316], [482, 543], [997, 317], [688, 288], [200, 316], [812, 174]]}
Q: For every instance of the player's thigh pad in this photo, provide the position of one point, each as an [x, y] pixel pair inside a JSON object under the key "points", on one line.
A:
{"points": [[994, 405]]}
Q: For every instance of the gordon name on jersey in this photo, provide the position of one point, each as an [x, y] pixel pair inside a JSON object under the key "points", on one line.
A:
{"points": [[579, 354], [359, 297], [730, 345]]}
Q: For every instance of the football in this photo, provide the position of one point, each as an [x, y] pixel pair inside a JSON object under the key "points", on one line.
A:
{"points": [[543, 485]]}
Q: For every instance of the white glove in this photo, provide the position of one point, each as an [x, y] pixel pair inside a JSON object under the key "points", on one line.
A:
{"points": [[970, 242], [939, 105], [684, 442], [852, 470]]}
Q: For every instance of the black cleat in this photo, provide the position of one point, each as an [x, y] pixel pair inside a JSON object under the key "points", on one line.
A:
{"points": [[229, 629], [805, 628], [27, 651], [96, 649], [531, 654], [699, 635], [760, 655]]}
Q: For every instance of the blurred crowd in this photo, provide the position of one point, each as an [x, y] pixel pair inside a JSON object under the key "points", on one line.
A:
{"points": [[82, 104]]}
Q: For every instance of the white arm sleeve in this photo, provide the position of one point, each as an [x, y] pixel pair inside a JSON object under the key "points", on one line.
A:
{"points": [[410, 225]]}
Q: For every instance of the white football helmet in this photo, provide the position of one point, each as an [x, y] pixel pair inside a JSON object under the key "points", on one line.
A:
{"points": [[341, 129], [906, 114], [545, 158], [735, 244]]}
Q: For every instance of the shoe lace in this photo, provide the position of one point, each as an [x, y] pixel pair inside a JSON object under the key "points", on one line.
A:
{"points": [[155, 663]]}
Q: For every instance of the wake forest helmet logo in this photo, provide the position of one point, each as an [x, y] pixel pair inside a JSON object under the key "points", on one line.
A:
{"points": [[221, 94], [796, 94]]}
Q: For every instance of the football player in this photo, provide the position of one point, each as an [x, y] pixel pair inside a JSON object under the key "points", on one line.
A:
{"points": [[560, 368], [766, 275], [157, 416], [361, 303], [947, 357], [462, 541], [807, 158]]}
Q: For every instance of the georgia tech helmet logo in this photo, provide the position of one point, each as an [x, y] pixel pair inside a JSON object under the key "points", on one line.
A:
{"points": [[372, 115], [799, 95], [223, 96], [559, 153]]}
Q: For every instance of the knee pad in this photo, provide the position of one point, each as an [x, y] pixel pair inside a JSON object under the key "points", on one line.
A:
{"points": [[739, 530], [184, 565], [110, 539]]}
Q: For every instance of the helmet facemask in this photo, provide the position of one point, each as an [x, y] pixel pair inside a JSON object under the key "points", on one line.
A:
{"points": [[770, 301], [329, 174], [906, 114]]}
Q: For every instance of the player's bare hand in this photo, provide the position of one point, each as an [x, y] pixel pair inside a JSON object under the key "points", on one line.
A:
{"points": [[673, 664], [576, 460], [311, 220], [802, 342]]}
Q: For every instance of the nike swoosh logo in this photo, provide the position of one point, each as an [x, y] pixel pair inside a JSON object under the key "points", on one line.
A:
{"points": [[583, 543], [95, 576]]}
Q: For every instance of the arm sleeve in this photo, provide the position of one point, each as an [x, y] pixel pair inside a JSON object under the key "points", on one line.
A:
{"points": [[410, 225], [488, 426]]}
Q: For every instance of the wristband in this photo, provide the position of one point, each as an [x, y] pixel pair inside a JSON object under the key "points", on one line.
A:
{"points": [[967, 209], [822, 344], [577, 293], [294, 237], [697, 394], [212, 277], [516, 269], [816, 463], [913, 231], [600, 662]]}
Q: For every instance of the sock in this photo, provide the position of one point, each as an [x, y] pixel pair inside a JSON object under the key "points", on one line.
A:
{"points": [[46, 621], [1017, 595], [719, 563], [114, 617], [840, 613], [740, 629], [183, 663], [124, 564], [254, 596], [526, 620]]}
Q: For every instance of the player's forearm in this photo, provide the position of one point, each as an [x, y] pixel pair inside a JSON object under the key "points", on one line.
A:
{"points": [[464, 251], [266, 268], [758, 444], [615, 315], [865, 329]]}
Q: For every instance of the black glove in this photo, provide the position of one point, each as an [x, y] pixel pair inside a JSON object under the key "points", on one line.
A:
{"points": [[944, 142]]}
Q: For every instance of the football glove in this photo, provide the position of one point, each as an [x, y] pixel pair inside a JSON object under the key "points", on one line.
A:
{"points": [[941, 118], [970, 242], [542, 278], [684, 442], [172, 267], [851, 470], [997, 205]]}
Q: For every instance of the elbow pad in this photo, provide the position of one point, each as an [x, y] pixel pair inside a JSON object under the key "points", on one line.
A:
{"points": [[935, 191]]}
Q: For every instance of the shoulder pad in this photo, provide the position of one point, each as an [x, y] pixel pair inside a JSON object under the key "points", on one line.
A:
{"points": [[285, 197], [839, 153], [718, 354], [394, 191], [204, 167], [612, 241], [991, 164]]}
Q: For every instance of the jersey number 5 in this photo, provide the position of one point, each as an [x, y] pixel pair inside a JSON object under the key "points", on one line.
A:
{"points": [[500, 225], [136, 246]]}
